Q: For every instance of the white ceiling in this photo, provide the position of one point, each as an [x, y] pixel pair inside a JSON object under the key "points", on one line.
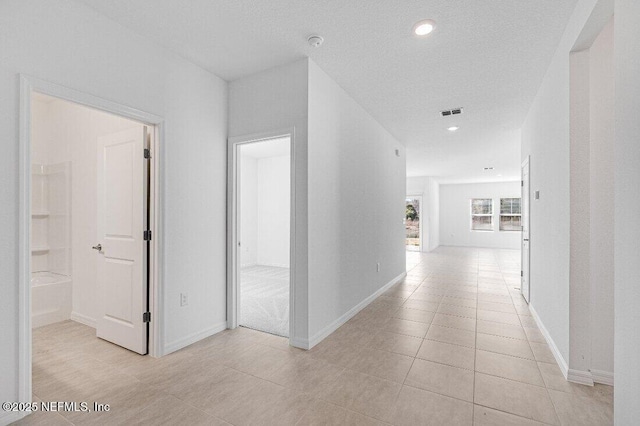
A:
{"points": [[487, 56]]}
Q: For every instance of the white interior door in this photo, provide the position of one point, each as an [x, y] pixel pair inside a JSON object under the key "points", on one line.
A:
{"points": [[122, 257], [525, 230]]}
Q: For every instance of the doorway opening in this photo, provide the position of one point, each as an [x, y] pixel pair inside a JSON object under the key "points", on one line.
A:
{"points": [[89, 246], [90, 208], [525, 203], [263, 229], [413, 229]]}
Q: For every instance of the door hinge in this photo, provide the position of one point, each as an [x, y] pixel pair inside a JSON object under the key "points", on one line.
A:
{"points": [[522, 183], [522, 273], [146, 317], [147, 235], [147, 153]]}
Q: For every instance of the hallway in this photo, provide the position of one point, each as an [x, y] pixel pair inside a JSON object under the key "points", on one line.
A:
{"points": [[452, 344]]}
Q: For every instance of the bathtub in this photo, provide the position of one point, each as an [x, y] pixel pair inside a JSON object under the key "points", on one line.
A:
{"points": [[50, 298]]}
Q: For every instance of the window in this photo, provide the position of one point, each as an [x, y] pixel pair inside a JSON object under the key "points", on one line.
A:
{"points": [[482, 214], [510, 213]]}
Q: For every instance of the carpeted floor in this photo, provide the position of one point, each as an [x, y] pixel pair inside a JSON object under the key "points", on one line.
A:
{"points": [[264, 299]]}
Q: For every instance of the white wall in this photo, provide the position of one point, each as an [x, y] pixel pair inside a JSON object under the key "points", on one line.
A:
{"points": [[274, 201], [356, 194], [601, 190], [591, 182], [429, 188], [546, 138], [455, 215], [265, 210], [344, 162], [248, 210], [627, 201], [72, 45], [272, 101]]}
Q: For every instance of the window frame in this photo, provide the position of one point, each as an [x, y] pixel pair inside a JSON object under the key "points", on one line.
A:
{"points": [[510, 215], [490, 215]]}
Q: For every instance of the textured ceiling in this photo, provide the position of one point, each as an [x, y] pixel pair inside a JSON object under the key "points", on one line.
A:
{"points": [[487, 56]]}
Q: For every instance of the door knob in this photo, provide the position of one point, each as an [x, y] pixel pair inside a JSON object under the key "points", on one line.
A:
{"points": [[98, 247]]}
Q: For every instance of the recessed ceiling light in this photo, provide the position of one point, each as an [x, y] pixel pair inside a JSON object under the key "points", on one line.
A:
{"points": [[424, 27], [453, 128]]}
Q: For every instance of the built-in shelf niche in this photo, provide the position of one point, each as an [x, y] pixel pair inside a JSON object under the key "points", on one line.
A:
{"points": [[51, 218]]}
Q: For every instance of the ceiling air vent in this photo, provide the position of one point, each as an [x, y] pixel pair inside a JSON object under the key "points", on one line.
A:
{"points": [[448, 112]]}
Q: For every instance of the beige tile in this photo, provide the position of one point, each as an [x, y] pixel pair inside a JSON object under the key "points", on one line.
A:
{"points": [[356, 419], [534, 335], [580, 410], [398, 293], [337, 353], [426, 297], [43, 418], [244, 399], [522, 310], [453, 321], [461, 311], [409, 328], [528, 321], [446, 353], [421, 305], [383, 364], [483, 416], [496, 298], [542, 352], [508, 367], [452, 335], [457, 301], [499, 329], [414, 315], [306, 374], [504, 345], [497, 307], [397, 343], [323, 413], [513, 397], [351, 334], [365, 394], [554, 379], [169, 410], [501, 317], [441, 379], [439, 290], [462, 294], [260, 361], [393, 301], [420, 407]]}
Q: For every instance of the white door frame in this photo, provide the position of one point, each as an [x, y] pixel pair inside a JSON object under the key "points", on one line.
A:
{"points": [[233, 223], [527, 297], [28, 85], [421, 198]]}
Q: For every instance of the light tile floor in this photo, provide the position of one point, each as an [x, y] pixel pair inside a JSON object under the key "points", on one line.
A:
{"points": [[453, 344]]}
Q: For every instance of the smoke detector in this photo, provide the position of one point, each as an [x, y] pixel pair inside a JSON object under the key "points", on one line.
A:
{"points": [[315, 40], [452, 111]]}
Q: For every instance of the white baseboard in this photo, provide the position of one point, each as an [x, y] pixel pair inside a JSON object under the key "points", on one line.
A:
{"points": [[193, 338], [8, 417], [322, 334], [83, 319], [580, 376], [602, 377], [552, 345]]}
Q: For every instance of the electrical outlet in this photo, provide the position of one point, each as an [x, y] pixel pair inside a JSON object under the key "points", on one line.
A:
{"points": [[377, 266], [184, 299]]}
